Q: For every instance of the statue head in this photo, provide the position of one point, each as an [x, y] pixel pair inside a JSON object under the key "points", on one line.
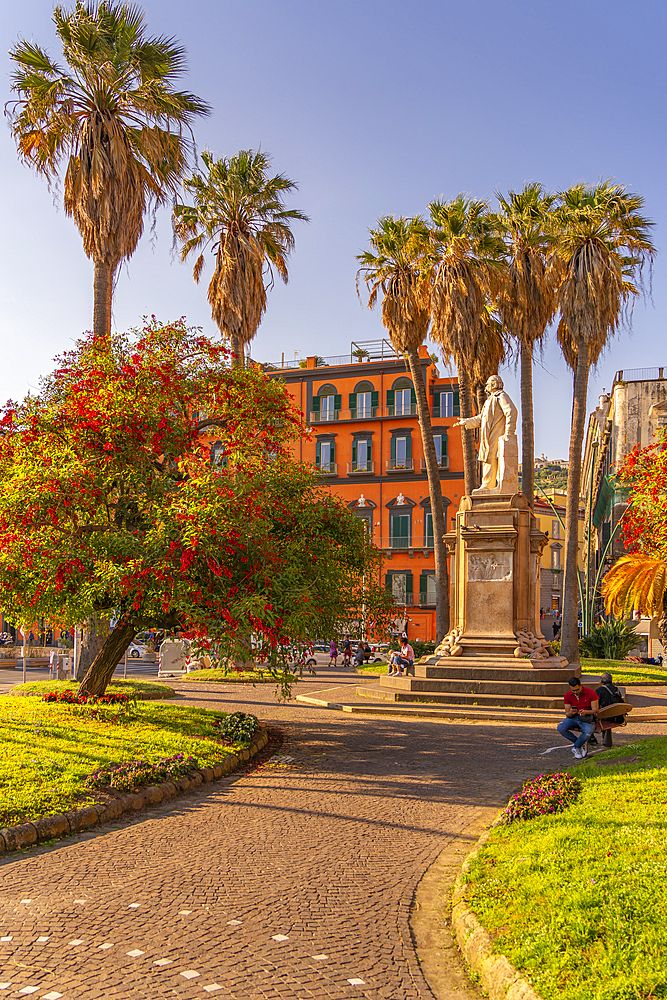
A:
{"points": [[493, 383]]}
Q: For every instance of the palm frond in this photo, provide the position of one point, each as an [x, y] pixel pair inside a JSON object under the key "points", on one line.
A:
{"points": [[635, 583]]}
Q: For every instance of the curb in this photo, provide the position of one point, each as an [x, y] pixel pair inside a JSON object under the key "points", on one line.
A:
{"points": [[499, 977], [14, 838]]}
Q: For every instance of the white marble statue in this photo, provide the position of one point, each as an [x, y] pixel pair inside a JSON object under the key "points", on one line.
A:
{"points": [[498, 447]]}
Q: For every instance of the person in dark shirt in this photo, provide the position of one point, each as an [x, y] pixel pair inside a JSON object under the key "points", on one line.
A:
{"points": [[581, 704], [609, 694]]}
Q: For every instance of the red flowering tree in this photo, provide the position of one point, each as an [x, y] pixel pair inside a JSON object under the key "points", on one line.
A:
{"points": [[110, 503], [639, 580]]}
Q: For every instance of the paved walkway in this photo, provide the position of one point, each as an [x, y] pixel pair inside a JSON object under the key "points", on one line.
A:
{"points": [[294, 879]]}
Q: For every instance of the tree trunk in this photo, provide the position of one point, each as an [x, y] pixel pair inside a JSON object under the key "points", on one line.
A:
{"points": [[480, 397], [102, 289], [101, 670], [467, 434], [237, 349], [527, 439], [435, 493], [570, 632], [95, 634]]}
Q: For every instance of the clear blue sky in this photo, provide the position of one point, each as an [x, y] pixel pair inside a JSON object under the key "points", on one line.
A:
{"points": [[373, 107]]}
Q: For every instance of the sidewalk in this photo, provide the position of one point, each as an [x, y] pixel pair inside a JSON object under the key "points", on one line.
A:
{"points": [[293, 880]]}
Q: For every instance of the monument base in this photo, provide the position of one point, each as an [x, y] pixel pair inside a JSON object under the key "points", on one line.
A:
{"points": [[495, 653]]}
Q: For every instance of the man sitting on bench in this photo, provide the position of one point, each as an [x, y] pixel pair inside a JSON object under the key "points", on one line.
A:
{"points": [[609, 694], [581, 704]]}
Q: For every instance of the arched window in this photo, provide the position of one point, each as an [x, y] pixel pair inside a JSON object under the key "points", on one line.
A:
{"points": [[327, 403], [364, 401], [401, 398]]}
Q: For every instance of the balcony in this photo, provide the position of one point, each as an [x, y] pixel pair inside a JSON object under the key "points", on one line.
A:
{"points": [[393, 543], [442, 464], [328, 469], [446, 412], [361, 468], [361, 413], [407, 465]]}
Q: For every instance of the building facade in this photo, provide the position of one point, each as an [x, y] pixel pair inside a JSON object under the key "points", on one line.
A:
{"points": [[366, 444], [550, 513], [629, 416]]}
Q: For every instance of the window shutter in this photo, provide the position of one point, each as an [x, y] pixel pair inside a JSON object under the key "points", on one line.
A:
{"points": [[318, 452], [375, 402], [316, 404], [353, 401], [422, 588], [354, 451], [408, 588], [436, 403], [333, 451], [393, 449], [390, 398], [408, 447], [443, 446], [387, 581], [369, 449], [338, 402], [457, 405], [413, 401]]}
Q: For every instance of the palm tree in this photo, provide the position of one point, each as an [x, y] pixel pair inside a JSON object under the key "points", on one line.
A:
{"points": [[527, 300], [398, 267], [603, 241], [113, 119], [468, 264], [637, 582], [238, 209]]}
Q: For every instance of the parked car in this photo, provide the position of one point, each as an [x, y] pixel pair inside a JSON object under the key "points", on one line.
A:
{"points": [[137, 649]]}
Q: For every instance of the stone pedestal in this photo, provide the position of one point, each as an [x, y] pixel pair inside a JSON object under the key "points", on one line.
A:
{"points": [[495, 571], [495, 653]]}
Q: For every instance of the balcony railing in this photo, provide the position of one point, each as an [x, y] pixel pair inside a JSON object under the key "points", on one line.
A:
{"points": [[327, 469], [393, 542], [361, 413], [446, 412], [360, 468], [407, 465], [442, 464]]}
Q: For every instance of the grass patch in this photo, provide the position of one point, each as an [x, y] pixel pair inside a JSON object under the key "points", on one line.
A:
{"points": [[624, 672], [232, 677], [48, 750], [577, 899], [373, 668], [119, 687]]}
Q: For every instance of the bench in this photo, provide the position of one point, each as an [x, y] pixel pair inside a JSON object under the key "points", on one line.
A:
{"points": [[604, 726]]}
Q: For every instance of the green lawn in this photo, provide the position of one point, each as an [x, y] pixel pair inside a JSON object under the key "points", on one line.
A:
{"points": [[577, 900], [120, 687], [47, 750], [624, 672], [232, 676]]}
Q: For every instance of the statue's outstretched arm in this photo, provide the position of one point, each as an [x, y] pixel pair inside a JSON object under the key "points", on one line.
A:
{"points": [[469, 421]]}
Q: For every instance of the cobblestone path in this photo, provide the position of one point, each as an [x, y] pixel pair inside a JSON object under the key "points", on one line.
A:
{"points": [[293, 879]]}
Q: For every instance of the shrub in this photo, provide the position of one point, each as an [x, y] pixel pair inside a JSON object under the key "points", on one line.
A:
{"points": [[548, 793], [237, 727], [126, 777], [609, 640]]}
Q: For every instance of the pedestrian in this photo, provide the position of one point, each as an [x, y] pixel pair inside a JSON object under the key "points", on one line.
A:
{"points": [[609, 694], [555, 628], [359, 655], [406, 659], [333, 653], [347, 651], [581, 704]]}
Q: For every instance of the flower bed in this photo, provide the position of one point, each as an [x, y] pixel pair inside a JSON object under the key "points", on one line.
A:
{"points": [[130, 776], [548, 793]]}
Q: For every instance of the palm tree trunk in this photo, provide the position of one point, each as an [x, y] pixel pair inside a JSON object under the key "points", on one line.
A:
{"points": [[101, 669], [102, 289], [435, 493], [237, 351], [468, 435], [570, 634], [480, 397], [527, 439]]}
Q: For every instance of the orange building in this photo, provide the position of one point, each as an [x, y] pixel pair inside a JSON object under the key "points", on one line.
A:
{"points": [[366, 444]]}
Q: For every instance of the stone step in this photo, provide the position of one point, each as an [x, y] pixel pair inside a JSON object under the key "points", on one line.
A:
{"points": [[462, 686], [449, 698], [455, 669]]}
